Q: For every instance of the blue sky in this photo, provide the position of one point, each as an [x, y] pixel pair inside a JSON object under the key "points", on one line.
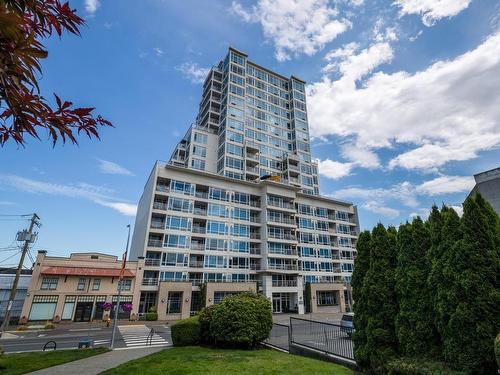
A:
{"points": [[402, 97]]}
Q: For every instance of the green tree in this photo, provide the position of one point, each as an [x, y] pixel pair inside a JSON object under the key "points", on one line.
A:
{"points": [[474, 323], [444, 275], [381, 342], [414, 321], [361, 267]]}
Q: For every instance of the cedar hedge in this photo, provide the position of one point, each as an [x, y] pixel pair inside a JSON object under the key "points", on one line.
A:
{"points": [[186, 332]]}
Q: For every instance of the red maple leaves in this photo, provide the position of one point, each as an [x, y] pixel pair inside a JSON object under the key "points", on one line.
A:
{"points": [[23, 111]]}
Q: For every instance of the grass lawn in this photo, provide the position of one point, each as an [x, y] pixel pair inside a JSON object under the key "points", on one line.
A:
{"points": [[21, 363], [198, 360]]}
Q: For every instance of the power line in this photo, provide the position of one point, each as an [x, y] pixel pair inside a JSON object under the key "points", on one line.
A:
{"points": [[11, 256], [16, 215]]}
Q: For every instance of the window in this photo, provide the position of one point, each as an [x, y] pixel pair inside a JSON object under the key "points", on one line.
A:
{"points": [[325, 253], [200, 151], [81, 283], [174, 240], [125, 284], [305, 210], [240, 230], [96, 284], [322, 226], [235, 112], [342, 216], [174, 260], [235, 124], [237, 59], [179, 204], [241, 214], [342, 228], [306, 223], [219, 296], [323, 239], [234, 150], [218, 194], [49, 283], [325, 267], [241, 198], [240, 246], [306, 238], [174, 302], [234, 163], [200, 138], [326, 298], [171, 276], [178, 223], [307, 252], [216, 227], [215, 261], [215, 244], [217, 210], [308, 266], [181, 187], [347, 267], [235, 137]]}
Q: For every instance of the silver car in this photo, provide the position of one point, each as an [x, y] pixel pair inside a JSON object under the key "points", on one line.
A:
{"points": [[346, 323]]}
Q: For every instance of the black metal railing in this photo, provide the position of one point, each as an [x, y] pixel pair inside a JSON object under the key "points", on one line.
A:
{"points": [[326, 337], [279, 337]]}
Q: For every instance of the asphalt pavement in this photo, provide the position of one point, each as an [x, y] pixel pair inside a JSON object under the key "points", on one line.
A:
{"points": [[127, 337]]}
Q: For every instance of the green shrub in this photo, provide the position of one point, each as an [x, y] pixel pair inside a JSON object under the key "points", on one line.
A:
{"points": [[413, 366], [49, 326], [205, 318], [186, 332], [242, 320], [497, 349], [152, 314]]}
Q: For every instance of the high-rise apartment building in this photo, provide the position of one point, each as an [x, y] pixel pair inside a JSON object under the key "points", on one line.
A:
{"points": [[208, 224], [251, 122]]}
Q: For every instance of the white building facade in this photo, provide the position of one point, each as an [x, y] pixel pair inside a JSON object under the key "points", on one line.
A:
{"points": [[208, 226]]}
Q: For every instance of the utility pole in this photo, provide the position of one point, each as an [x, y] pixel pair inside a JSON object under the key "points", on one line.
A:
{"points": [[120, 287], [28, 237]]}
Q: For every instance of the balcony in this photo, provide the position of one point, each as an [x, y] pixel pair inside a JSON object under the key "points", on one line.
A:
{"points": [[197, 229], [254, 203], [155, 243], [287, 205], [150, 281], [254, 266], [254, 157], [152, 262], [162, 188], [255, 219], [160, 206], [292, 252], [157, 225], [252, 170], [196, 264], [283, 267], [285, 283], [282, 236], [197, 246], [200, 211], [282, 220], [255, 251], [201, 194], [254, 236]]}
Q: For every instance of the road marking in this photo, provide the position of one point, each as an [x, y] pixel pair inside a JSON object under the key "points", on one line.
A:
{"points": [[138, 336]]}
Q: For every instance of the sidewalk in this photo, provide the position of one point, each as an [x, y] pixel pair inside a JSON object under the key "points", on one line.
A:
{"points": [[96, 364]]}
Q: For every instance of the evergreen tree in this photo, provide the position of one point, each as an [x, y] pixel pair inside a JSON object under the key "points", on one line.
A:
{"points": [[381, 342], [361, 267], [474, 323], [445, 274], [414, 321]]}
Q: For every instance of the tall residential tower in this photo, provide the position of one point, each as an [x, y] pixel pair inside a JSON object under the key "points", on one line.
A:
{"points": [[211, 222]]}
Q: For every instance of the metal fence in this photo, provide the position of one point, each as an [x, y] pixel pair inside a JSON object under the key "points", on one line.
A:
{"points": [[279, 337], [326, 337]]}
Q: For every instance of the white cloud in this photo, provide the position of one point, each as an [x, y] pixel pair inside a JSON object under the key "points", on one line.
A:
{"points": [[403, 193], [158, 51], [446, 185], [334, 169], [97, 194], [193, 72], [108, 167], [295, 26], [381, 210], [360, 156], [446, 112], [432, 10], [91, 6]]}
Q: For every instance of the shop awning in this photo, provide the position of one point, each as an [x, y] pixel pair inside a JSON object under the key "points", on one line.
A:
{"points": [[85, 271]]}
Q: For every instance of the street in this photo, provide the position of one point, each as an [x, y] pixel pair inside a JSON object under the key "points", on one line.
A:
{"points": [[127, 337]]}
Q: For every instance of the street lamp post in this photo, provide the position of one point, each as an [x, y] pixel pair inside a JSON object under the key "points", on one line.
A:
{"points": [[120, 286]]}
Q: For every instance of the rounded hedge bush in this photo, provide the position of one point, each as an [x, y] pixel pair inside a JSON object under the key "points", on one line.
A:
{"points": [[186, 332], [152, 314], [242, 320]]}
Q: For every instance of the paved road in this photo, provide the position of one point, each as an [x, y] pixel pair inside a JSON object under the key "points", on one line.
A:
{"points": [[128, 336]]}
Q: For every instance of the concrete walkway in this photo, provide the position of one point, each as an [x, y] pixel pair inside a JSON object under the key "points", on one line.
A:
{"points": [[98, 363]]}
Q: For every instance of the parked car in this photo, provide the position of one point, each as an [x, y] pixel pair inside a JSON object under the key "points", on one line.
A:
{"points": [[346, 324]]}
